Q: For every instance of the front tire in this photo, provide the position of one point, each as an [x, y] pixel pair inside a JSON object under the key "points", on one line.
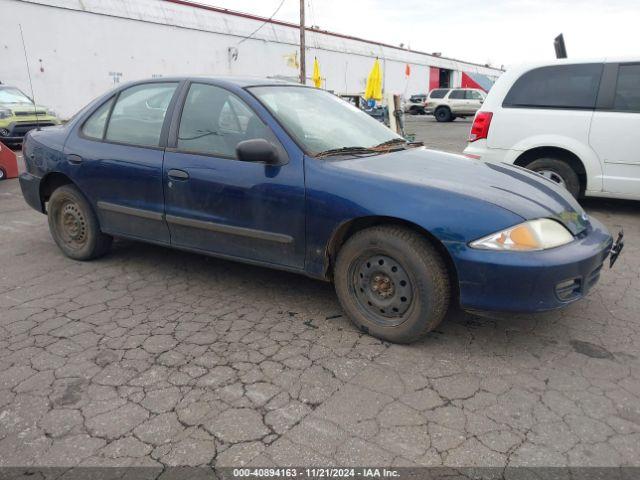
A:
{"points": [[3, 175], [74, 226], [392, 283], [559, 172]]}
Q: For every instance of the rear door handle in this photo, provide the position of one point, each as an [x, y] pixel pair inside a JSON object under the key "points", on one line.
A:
{"points": [[178, 174], [74, 159]]}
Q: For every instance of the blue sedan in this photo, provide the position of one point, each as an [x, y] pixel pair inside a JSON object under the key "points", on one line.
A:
{"points": [[291, 177]]}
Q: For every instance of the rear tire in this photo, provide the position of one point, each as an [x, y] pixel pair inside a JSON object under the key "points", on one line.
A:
{"points": [[443, 114], [558, 171], [3, 174], [74, 226], [392, 283]]}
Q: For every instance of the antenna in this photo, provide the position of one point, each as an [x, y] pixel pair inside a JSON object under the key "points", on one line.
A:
{"points": [[26, 60]]}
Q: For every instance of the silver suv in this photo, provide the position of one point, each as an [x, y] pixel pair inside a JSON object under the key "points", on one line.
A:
{"points": [[447, 104]]}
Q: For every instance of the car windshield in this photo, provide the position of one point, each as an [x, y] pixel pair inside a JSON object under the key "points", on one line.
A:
{"points": [[320, 121], [13, 95]]}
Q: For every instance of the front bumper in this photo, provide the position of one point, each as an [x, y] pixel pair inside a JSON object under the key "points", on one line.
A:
{"points": [[30, 185], [533, 281], [15, 131]]}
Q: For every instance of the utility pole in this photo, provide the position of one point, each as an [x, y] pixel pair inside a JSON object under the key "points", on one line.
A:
{"points": [[303, 64]]}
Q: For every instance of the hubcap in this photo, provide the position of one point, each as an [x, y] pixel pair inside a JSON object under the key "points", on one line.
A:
{"points": [[383, 288], [553, 176], [73, 226]]}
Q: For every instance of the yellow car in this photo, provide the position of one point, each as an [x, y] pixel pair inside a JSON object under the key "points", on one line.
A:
{"points": [[19, 114]]}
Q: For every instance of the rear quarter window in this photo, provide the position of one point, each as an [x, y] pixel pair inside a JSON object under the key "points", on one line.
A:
{"points": [[627, 95], [438, 93], [557, 86]]}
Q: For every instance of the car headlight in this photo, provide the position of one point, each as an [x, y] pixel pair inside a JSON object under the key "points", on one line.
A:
{"points": [[5, 113], [528, 236]]}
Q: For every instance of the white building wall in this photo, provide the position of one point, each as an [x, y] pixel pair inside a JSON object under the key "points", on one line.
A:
{"points": [[78, 49]]}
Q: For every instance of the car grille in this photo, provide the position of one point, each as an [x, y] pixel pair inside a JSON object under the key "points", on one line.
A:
{"points": [[593, 277], [30, 114], [571, 289], [19, 129]]}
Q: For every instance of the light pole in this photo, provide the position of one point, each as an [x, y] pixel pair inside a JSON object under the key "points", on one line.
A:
{"points": [[303, 65]]}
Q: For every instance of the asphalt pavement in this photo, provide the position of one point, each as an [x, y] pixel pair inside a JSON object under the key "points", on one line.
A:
{"points": [[156, 357]]}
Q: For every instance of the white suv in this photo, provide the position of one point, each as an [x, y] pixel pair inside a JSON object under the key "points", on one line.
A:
{"points": [[447, 104], [576, 123]]}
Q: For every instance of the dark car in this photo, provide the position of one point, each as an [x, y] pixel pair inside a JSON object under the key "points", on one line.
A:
{"points": [[415, 104], [294, 178]]}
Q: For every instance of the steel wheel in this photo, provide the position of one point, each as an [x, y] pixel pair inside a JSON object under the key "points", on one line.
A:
{"points": [[392, 283], [383, 288], [72, 225]]}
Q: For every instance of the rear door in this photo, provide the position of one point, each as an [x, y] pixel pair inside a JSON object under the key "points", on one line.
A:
{"points": [[615, 128], [553, 101], [116, 159], [219, 204], [474, 101], [457, 101]]}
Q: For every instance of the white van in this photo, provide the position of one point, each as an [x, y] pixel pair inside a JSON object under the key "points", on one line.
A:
{"points": [[575, 122]]}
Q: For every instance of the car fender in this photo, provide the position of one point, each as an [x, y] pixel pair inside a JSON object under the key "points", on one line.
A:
{"points": [[336, 197]]}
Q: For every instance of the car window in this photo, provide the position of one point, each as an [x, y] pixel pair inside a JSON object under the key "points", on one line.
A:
{"points": [[627, 97], [94, 126], [472, 95], [457, 94], [438, 93], [558, 86], [214, 121], [139, 113]]}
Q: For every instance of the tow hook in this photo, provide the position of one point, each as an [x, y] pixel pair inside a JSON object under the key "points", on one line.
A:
{"points": [[616, 248]]}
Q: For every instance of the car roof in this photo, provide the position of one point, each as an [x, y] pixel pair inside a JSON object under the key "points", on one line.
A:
{"points": [[523, 67], [243, 82]]}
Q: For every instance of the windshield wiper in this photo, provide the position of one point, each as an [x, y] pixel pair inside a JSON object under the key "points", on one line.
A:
{"points": [[345, 151], [391, 142]]}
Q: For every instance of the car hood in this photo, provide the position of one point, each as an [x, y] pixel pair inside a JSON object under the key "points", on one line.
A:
{"points": [[516, 189], [23, 107]]}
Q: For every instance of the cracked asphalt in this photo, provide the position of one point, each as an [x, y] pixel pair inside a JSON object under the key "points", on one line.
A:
{"points": [[154, 357]]}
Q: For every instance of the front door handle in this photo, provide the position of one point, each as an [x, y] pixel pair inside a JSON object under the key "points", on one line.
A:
{"points": [[178, 174], [74, 159]]}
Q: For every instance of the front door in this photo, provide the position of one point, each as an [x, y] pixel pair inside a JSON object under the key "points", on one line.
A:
{"points": [[115, 157], [219, 204], [615, 130]]}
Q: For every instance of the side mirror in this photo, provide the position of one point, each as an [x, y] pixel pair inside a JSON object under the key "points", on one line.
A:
{"points": [[257, 150]]}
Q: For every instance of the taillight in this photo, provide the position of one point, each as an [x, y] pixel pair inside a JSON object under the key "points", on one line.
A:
{"points": [[480, 127]]}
